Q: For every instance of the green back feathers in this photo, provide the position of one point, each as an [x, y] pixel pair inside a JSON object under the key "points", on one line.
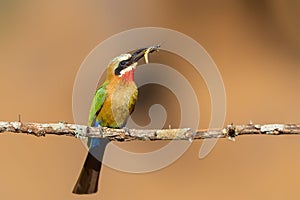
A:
{"points": [[97, 103]]}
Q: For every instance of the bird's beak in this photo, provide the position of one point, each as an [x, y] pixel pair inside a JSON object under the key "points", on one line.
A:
{"points": [[140, 53], [135, 57]]}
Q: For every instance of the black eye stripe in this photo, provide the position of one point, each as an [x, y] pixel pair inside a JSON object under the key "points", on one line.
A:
{"points": [[122, 65], [118, 71]]}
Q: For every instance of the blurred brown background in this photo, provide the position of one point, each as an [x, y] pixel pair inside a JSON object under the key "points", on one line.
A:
{"points": [[255, 44]]}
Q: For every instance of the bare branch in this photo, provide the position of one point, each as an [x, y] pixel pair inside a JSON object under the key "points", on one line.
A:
{"points": [[75, 130]]}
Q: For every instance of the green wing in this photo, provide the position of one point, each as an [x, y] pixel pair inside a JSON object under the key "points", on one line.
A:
{"points": [[97, 103]]}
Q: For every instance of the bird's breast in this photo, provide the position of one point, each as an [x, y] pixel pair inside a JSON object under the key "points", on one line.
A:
{"points": [[118, 105]]}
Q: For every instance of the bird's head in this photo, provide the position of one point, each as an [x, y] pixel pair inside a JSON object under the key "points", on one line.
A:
{"points": [[124, 65]]}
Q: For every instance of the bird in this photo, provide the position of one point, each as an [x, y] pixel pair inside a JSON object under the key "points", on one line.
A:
{"points": [[112, 104]]}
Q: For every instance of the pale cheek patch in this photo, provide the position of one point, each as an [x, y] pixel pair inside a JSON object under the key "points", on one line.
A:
{"points": [[128, 69]]}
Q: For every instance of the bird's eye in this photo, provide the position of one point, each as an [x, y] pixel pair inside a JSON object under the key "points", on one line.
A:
{"points": [[123, 63]]}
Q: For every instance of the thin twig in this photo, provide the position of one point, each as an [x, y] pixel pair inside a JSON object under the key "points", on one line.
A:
{"points": [[75, 130]]}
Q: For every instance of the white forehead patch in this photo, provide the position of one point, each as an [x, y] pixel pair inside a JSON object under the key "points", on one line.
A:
{"points": [[121, 57]]}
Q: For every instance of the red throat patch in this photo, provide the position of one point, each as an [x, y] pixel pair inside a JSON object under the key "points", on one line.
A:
{"points": [[128, 76]]}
